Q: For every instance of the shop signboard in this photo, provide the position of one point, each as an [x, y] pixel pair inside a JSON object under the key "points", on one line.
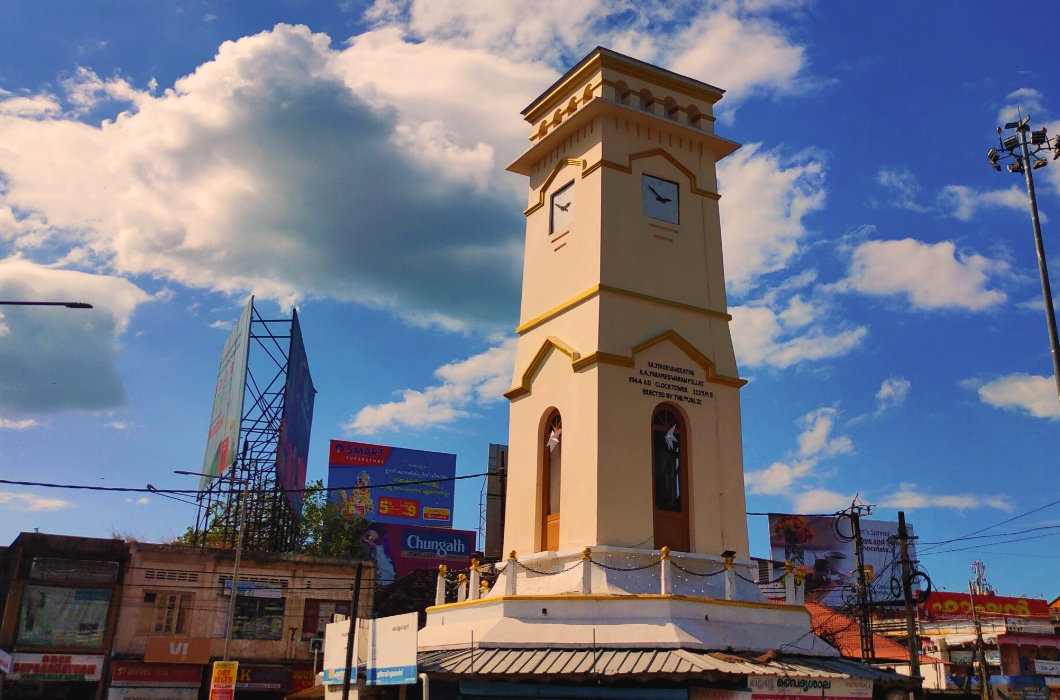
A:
{"points": [[1020, 687], [398, 550], [149, 693], [335, 636], [718, 694], [56, 667], [273, 678], [827, 557], [139, 673], [178, 650], [392, 650], [255, 589], [223, 680], [419, 487], [942, 605], [1046, 667], [788, 687], [5, 662], [57, 616]]}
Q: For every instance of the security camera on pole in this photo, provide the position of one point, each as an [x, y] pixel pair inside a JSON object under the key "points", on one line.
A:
{"points": [[1024, 147]]}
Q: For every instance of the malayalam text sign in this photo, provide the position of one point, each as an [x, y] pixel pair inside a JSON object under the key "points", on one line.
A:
{"points": [[140, 673], [419, 487], [223, 680], [335, 640], [55, 667], [787, 687], [942, 605], [392, 650]]}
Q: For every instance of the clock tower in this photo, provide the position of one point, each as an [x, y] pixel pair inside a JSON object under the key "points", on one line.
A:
{"points": [[625, 402]]}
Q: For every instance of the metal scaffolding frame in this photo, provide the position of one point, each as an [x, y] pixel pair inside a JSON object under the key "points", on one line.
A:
{"points": [[271, 523]]}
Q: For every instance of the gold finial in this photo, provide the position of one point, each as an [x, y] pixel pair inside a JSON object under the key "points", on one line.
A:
{"points": [[441, 569], [474, 563], [511, 555], [587, 554], [788, 567], [461, 577], [483, 585], [665, 552], [800, 576]]}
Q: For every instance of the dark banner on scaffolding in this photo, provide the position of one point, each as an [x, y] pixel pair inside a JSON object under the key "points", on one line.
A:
{"points": [[222, 442], [297, 421]]}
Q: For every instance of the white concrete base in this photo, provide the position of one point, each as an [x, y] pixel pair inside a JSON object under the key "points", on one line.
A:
{"points": [[621, 621]]}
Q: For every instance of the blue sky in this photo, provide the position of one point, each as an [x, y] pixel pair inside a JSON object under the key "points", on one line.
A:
{"points": [[165, 160]]}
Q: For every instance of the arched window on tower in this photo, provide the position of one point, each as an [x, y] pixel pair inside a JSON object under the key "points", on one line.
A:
{"points": [[670, 506], [552, 468]]}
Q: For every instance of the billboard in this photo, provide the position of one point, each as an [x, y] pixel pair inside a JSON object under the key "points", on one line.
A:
{"points": [[296, 421], [392, 650], [222, 442], [828, 559], [942, 605], [398, 550], [356, 470], [54, 616]]}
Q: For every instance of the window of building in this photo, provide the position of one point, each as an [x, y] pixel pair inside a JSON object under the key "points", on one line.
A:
{"points": [[553, 456], [258, 618], [166, 612], [58, 616], [670, 479], [318, 614]]}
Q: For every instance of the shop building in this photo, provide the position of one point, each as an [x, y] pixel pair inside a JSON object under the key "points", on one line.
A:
{"points": [[174, 611], [60, 598]]}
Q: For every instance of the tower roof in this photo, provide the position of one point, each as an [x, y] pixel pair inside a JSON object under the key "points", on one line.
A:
{"points": [[603, 57]]}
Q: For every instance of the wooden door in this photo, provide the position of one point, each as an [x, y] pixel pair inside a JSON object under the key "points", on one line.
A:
{"points": [[550, 493]]}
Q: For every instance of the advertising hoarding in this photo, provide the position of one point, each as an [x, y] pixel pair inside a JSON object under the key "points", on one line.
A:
{"points": [[812, 544], [222, 442], [55, 667], [335, 640], [786, 688], [355, 466], [5, 662], [296, 422], [392, 650], [942, 605], [56, 616], [223, 680], [398, 550], [178, 650]]}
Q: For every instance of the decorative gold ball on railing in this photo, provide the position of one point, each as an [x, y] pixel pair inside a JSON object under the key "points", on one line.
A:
{"points": [[665, 552]]}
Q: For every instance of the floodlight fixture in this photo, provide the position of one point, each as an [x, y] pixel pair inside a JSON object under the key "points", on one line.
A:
{"points": [[1011, 143], [1038, 137], [1040, 163], [997, 166], [1016, 166]]}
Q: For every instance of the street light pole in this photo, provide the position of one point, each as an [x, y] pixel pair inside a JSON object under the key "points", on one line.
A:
{"points": [[1028, 160], [239, 551]]}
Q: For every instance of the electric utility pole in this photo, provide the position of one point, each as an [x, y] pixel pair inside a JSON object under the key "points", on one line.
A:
{"points": [[908, 565], [985, 691]]}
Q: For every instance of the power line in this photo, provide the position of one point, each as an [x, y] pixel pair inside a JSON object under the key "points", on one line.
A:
{"points": [[991, 527]]}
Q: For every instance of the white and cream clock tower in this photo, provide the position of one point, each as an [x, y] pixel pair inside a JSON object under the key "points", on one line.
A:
{"points": [[625, 404]]}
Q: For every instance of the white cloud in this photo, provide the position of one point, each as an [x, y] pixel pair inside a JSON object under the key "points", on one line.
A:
{"points": [[29, 106], [892, 394], [222, 325], [964, 203], [903, 187], [55, 358], [764, 201], [478, 380], [138, 501], [31, 502], [820, 501], [1022, 101], [8, 424], [118, 425], [815, 443], [930, 276], [797, 333], [1029, 393], [910, 496]]}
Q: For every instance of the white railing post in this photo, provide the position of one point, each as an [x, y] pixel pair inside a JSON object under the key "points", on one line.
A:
{"points": [[509, 574], [800, 588], [587, 571], [439, 590], [789, 583], [666, 575], [473, 587], [461, 588], [730, 578]]}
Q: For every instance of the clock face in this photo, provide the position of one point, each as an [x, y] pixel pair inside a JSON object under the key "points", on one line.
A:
{"points": [[660, 198], [562, 208]]}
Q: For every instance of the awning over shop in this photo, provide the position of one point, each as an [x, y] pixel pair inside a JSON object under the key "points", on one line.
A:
{"points": [[673, 664]]}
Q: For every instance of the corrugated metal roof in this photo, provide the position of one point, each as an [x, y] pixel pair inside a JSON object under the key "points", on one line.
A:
{"points": [[564, 663]]}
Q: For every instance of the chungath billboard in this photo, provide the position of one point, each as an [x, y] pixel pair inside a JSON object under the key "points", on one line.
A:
{"points": [[398, 550], [222, 441], [296, 423], [392, 485], [827, 558]]}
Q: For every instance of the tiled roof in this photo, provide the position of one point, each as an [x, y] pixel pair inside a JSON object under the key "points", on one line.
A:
{"points": [[842, 633]]}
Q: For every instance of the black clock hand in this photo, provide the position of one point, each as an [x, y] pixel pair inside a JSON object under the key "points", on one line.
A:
{"points": [[658, 196], [563, 207]]}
